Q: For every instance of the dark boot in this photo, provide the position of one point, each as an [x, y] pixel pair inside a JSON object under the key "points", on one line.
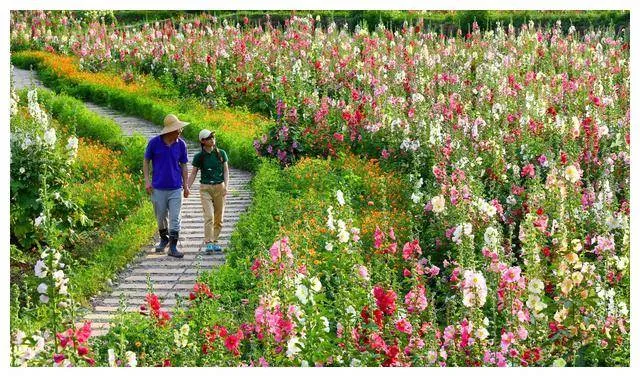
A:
{"points": [[164, 240], [173, 245]]}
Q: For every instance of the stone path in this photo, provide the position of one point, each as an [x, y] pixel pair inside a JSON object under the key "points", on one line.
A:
{"points": [[171, 278]]}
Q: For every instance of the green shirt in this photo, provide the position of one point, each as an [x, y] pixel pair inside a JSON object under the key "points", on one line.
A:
{"points": [[212, 170]]}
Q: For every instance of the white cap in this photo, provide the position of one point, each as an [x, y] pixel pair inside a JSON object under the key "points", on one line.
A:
{"points": [[204, 134]]}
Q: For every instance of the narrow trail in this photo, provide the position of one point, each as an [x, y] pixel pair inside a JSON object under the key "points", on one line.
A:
{"points": [[170, 277]]}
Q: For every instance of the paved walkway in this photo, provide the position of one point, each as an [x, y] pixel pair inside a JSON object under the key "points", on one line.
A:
{"points": [[170, 277]]}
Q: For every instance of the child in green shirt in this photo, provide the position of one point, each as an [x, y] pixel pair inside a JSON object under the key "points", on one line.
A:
{"points": [[214, 178]]}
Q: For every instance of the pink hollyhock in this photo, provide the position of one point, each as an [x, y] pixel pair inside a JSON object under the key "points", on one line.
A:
{"points": [[541, 222], [385, 300], [58, 358], [410, 249], [378, 237], [415, 300], [465, 334], [283, 330], [528, 171], [506, 340], [69, 337], [278, 247], [83, 334], [392, 249], [363, 272], [385, 154], [449, 334], [377, 343], [522, 333], [511, 274], [404, 326], [502, 361]]}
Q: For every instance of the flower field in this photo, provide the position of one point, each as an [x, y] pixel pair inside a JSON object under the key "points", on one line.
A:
{"points": [[420, 199]]}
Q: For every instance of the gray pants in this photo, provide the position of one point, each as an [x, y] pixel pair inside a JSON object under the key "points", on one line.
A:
{"points": [[167, 202]]}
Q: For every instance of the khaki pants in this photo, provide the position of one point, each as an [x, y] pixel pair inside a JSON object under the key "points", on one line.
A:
{"points": [[212, 199]]}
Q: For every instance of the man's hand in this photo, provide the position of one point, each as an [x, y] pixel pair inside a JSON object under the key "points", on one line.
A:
{"points": [[149, 188], [186, 192]]}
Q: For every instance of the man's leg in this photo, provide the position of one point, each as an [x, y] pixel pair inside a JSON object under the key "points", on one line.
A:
{"points": [[161, 209], [175, 205]]}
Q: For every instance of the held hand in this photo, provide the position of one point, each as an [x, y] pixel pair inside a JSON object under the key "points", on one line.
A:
{"points": [[149, 188], [186, 192], [224, 189]]}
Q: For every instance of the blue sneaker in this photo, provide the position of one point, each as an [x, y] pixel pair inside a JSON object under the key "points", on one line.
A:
{"points": [[210, 248], [217, 248]]}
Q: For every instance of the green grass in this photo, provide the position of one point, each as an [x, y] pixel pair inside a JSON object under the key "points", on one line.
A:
{"points": [[120, 248]]}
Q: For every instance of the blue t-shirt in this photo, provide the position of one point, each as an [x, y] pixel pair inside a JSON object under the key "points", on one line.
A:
{"points": [[166, 160]]}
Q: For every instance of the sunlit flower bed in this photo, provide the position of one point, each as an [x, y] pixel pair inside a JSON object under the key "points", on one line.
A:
{"points": [[503, 240]]}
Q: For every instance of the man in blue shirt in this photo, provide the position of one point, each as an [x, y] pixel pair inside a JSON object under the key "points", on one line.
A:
{"points": [[167, 154]]}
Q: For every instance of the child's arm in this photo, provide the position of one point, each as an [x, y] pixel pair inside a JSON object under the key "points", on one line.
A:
{"points": [[192, 176], [226, 177]]}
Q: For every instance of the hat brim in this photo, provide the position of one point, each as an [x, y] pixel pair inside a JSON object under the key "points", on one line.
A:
{"points": [[211, 133], [173, 127]]}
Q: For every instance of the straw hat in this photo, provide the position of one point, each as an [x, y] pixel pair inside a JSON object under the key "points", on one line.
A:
{"points": [[172, 123]]}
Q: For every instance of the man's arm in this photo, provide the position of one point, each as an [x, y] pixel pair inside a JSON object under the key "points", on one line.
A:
{"points": [[185, 178], [145, 171]]}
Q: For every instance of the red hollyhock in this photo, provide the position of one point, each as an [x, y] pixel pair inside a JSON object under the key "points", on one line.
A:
{"points": [[385, 300], [156, 311], [201, 289], [232, 342]]}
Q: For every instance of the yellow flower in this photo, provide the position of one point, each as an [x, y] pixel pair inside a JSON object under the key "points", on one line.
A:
{"points": [[566, 285], [438, 203], [577, 277], [561, 315], [577, 244], [572, 258], [572, 174]]}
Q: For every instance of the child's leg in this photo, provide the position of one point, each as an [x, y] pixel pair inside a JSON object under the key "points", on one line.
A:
{"points": [[218, 205], [206, 199]]}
